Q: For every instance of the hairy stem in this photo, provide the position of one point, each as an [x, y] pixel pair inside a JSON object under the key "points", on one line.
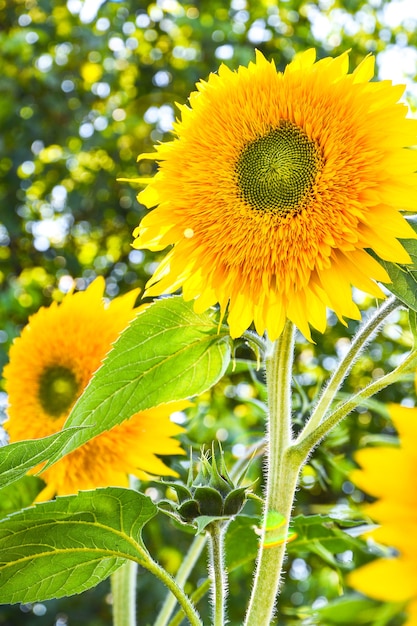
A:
{"points": [[303, 447], [123, 587], [184, 570], [217, 571], [182, 598], [282, 475], [196, 596], [363, 336]]}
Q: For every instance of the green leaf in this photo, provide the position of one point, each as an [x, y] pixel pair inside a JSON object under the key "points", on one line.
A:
{"points": [[403, 277], [167, 353], [242, 541], [68, 545], [354, 609], [323, 536], [16, 459], [20, 494]]}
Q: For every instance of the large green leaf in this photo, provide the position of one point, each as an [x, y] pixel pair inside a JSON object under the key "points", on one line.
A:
{"points": [[167, 353], [16, 459], [68, 545]]}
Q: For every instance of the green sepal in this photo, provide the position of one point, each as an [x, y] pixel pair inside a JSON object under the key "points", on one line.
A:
{"points": [[209, 500], [234, 501], [182, 492], [189, 510]]}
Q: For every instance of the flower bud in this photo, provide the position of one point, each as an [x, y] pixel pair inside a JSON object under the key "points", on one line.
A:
{"points": [[211, 493]]}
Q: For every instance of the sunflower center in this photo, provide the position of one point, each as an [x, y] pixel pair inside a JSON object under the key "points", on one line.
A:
{"points": [[276, 172], [58, 388]]}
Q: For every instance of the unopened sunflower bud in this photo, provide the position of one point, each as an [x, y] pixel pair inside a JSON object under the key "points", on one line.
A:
{"points": [[212, 493]]}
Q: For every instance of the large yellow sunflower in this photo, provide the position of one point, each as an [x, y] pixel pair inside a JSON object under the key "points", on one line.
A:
{"points": [[390, 474], [275, 186], [50, 365]]}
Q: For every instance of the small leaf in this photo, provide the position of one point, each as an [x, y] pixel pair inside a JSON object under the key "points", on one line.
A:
{"points": [[167, 353], [68, 545], [16, 459], [276, 533], [203, 521], [274, 520], [403, 277]]}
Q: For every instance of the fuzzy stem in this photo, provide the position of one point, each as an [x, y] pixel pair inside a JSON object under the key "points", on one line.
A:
{"points": [[184, 601], [183, 572], [283, 470], [362, 338], [195, 597], [123, 586], [218, 575], [304, 446]]}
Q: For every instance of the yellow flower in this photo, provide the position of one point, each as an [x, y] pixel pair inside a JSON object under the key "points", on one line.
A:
{"points": [[50, 365], [275, 186], [390, 474]]}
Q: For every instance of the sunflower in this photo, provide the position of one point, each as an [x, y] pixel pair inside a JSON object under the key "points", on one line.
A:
{"points": [[390, 474], [50, 365], [275, 186]]}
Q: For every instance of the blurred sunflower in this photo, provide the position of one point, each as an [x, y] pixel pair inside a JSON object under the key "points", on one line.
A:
{"points": [[390, 474], [275, 186], [50, 365]]}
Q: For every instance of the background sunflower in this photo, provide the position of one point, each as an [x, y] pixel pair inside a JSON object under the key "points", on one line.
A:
{"points": [[389, 474]]}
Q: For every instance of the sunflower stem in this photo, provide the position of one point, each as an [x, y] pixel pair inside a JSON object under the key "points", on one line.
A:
{"points": [[283, 469], [182, 575], [303, 448], [184, 601], [361, 339], [123, 587], [215, 533], [196, 596]]}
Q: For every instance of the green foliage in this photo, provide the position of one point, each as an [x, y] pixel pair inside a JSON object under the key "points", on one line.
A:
{"points": [[81, 97], [66, 546]]}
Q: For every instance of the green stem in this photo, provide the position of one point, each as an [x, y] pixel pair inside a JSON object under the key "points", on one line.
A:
{"points": [[283, 470], [363, 336], [123, 586], [196, 596], [182, 598], [304, 446], [182, 575], [217, 571]]}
